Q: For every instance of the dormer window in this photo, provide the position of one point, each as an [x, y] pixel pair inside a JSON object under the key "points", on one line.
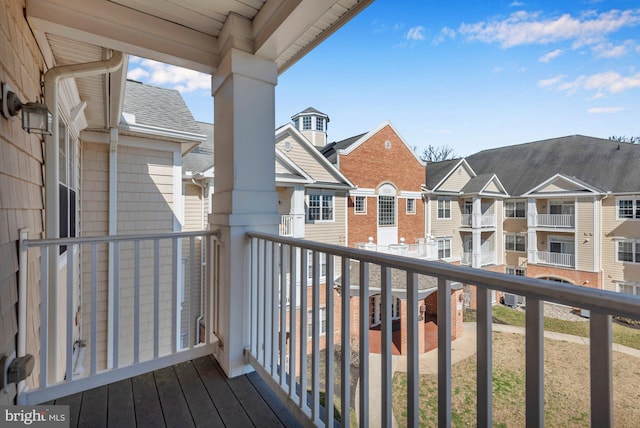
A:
{"points": [[319, 124], [306, 123], [296, 123]]}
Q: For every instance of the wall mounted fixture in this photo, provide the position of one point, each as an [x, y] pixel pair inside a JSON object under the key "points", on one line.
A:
{"points": [[35, 116]]}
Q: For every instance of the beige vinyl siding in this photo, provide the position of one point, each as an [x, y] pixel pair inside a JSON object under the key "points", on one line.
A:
{"points": [[456, 180], [492, 187], [334, 232], [310, 163], [21, 181], [442, 228], [559, 186], [284, 200], [194, 211], [585, 239], [193, 218], [612, 229]]}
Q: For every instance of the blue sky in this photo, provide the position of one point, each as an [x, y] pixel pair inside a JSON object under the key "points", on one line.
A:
{"points": [[482, 75]]}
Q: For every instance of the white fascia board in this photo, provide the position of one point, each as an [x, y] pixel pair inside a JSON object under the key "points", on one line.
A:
{"points": [[371, 133], [328, 186], [292, 181], [462, 162], [362, 192], [289, 128], [293, 166], [585, 186], [496, 180], [162, 132], [407, 194], [132, 141]]}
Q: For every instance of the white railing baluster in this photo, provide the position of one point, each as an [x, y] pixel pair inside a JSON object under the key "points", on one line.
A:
{"points": [[94, 307], [260, 313], [283, 315], [329, 347], [303, 329], [315, 339], [293, 327], [275, 272], [116, 304], [193, 291], [156, 298], [534, 345], [253, 313], [136, 301], [484, 402], [387, 333], [601, 370], [444, 352], [413, 373], [70, 311], [345, 340], [364, 344], [44, 315], [175, 317], [268, 290]]}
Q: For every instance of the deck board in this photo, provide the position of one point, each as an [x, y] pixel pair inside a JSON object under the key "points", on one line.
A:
{"points": [[195, 393], [120, 408]]}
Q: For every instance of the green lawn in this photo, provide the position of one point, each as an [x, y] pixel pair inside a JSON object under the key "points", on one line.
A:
{"points": [[622, 335]]}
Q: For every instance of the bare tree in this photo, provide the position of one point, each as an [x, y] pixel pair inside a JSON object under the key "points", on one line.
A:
{"points": [[437, 153], [625, 139]]}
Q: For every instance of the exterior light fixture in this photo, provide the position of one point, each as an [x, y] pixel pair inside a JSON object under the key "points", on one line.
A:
{"points": [[35, 116]]}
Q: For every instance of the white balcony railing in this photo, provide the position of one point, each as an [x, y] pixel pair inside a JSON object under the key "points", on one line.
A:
{"points": [[466, 220], [488, 220], [487, 259], [556, 220], [424, 250], [286, 225], [556, 259], [274, 259], [466, 258], [156, 283]]}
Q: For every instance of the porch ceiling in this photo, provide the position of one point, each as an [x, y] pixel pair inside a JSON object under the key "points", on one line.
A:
{"points": [[196, 33]]}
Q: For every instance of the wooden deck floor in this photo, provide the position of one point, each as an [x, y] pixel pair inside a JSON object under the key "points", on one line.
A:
{"points": [[191, 394]]}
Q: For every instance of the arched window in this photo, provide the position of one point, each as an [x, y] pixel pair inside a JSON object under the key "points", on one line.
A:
{"points": [[387, 205]]}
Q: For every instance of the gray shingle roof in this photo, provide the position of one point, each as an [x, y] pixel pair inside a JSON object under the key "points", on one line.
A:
{"points": [[436, 171], [476, 184], [201, 158], [309, 110], [605, 164], [159, 107], [398, 278], [329, 151]]}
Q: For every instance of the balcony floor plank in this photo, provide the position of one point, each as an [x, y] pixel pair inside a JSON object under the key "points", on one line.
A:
{"points": [[195, 393], [120, 408]]}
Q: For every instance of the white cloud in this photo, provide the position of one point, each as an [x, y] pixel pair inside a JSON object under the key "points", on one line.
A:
{"points": [[550, 55], [551, 82], [415, 33], [516, 4], [608, 82], [527, 28], [169, 76], [598, 110], [445, 33], [609, 50]]}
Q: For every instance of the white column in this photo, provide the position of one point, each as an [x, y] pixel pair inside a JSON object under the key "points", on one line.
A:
{"points": [[476, 223], [297, 211], [532, 238], [245, 195]]}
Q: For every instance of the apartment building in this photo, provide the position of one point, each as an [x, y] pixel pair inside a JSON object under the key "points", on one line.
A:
{"points": [[564, 209]]}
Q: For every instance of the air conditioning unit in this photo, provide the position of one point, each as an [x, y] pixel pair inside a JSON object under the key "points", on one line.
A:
{"points": [[511, 300]]}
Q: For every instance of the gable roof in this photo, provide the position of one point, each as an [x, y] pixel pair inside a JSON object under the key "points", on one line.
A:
{"points": [[330, 150], [157, 108], [437, 173], [201, 158], [479, 183], [604, 164]]}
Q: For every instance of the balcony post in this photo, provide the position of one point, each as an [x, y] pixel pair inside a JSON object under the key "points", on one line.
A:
{"points": [[532, 238], [245, 197], [476, 223], [297, 211]]}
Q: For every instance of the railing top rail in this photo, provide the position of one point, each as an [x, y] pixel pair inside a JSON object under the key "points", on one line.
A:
{"points": [[587, 298], [27, 243]]}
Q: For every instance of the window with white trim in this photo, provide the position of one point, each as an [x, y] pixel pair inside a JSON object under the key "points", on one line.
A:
{"points": [[628, 209], [296, 123], [322, 266], [306, 123], [323, 322], [360, 204], [515, 209], [444, 248], [632, 288], [386, 210], [561, 207], [67, 170], [444, 208], [319, 124], [411, 206], [628, 251], [515, 242], [375, 310], [320, 207], [511, 270]]}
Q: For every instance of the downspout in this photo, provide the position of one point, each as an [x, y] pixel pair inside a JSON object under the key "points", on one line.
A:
{"points": [[203, 263], [52, 77]]}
